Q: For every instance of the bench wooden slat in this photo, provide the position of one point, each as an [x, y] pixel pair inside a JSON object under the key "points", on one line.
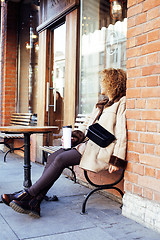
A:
{"points": [[27, 119], [21, 119], [18, 114], [21, 116], [79, 120], [50, 149], [4, 135], [20, 123]]}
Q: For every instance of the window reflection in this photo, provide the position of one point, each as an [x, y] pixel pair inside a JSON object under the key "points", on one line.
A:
{"points": [[27, 58], [59, 58], [58, 78], [103, 45]]}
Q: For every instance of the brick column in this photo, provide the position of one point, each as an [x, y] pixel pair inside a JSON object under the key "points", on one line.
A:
{"points": [[3, 41], [9, 61], [142, 177]]}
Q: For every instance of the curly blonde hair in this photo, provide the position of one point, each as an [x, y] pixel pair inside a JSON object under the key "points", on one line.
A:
{"points": [[114, 81]]}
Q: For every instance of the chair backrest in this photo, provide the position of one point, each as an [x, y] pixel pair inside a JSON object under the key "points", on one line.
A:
{"points": [[79, 120], [22, 119]]}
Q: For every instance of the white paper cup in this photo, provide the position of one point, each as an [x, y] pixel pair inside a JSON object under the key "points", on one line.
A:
{"points": [[67, 132]]}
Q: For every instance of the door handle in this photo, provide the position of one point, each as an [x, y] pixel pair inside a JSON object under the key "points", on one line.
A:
{"points": [[54, 99], [47, 97]]}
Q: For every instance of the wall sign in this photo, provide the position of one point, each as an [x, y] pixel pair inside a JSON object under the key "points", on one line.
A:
{"points": [[54, 9]]}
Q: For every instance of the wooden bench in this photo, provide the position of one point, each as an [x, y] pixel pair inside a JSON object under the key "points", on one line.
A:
{"points": [[97, 187], [20, 119]]}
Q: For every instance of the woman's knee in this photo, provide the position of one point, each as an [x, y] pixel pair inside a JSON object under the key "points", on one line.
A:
{"points": [[68, 158], [60, 161], [52, 157]]}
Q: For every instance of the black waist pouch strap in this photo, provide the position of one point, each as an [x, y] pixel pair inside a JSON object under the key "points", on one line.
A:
{"points": [[100, 135]]}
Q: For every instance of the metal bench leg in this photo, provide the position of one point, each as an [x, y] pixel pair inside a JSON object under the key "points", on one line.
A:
{"points": [[12, 150], [5, 155], [73, 172], [5, 143], [95, 190], [44, 156], [101, 187], [86, 198]]}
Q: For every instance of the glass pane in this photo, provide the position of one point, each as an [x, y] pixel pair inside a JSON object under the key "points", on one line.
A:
{"points": [[103, 45], [59, 59], [58, 80], [28, 47]]}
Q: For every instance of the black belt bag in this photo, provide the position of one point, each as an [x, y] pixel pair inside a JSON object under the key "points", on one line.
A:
{"points": [[100, 135]]}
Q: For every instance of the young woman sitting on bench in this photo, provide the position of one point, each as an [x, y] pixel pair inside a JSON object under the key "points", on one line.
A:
{"points": [[110, 114]]}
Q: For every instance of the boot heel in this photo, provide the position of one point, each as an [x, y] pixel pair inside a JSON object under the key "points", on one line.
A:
{"points": [[17, 208], [31, 207], [34, 215]]}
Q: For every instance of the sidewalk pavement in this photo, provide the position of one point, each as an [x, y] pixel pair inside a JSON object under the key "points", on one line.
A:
{"points": [[62, 220]]}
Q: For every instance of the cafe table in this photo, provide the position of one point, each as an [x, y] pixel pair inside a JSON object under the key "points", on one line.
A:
{"points": [[27, 131]]}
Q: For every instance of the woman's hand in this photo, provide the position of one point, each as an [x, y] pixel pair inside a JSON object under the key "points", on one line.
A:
{"points": [[77, 137], [112, 169]]}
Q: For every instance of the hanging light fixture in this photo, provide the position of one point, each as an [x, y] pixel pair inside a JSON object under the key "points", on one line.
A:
{"points": [[36, 46], [116, 8], [27, 45]]}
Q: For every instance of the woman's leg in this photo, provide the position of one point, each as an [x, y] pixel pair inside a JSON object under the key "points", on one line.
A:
{"points": [[51, 158], [29, 201], [7, 198], [56, 164]]}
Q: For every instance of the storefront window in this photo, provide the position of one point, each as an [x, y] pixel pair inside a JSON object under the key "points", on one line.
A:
{"points": [[27, 58], [103, 45]]}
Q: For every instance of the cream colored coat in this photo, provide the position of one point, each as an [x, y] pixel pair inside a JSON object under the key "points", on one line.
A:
{"points": [[95, 158]]}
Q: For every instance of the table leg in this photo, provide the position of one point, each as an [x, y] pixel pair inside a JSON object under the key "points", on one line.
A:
{"points": [[27, 166]]}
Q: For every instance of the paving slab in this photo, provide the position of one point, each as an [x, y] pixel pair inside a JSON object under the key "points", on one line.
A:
{"points": [[92, 233], [6, 232], [61, 220]]}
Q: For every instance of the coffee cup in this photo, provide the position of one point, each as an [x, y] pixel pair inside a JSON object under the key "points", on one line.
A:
{"points": [[67, 133]]}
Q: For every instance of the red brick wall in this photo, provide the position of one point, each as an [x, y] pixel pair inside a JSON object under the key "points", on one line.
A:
{"points": [[3, 43], [143, 99], [9, 61]]}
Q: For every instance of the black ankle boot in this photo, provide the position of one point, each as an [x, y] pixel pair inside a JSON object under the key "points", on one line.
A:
{"points": [[29, 206], [7, 198]]}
